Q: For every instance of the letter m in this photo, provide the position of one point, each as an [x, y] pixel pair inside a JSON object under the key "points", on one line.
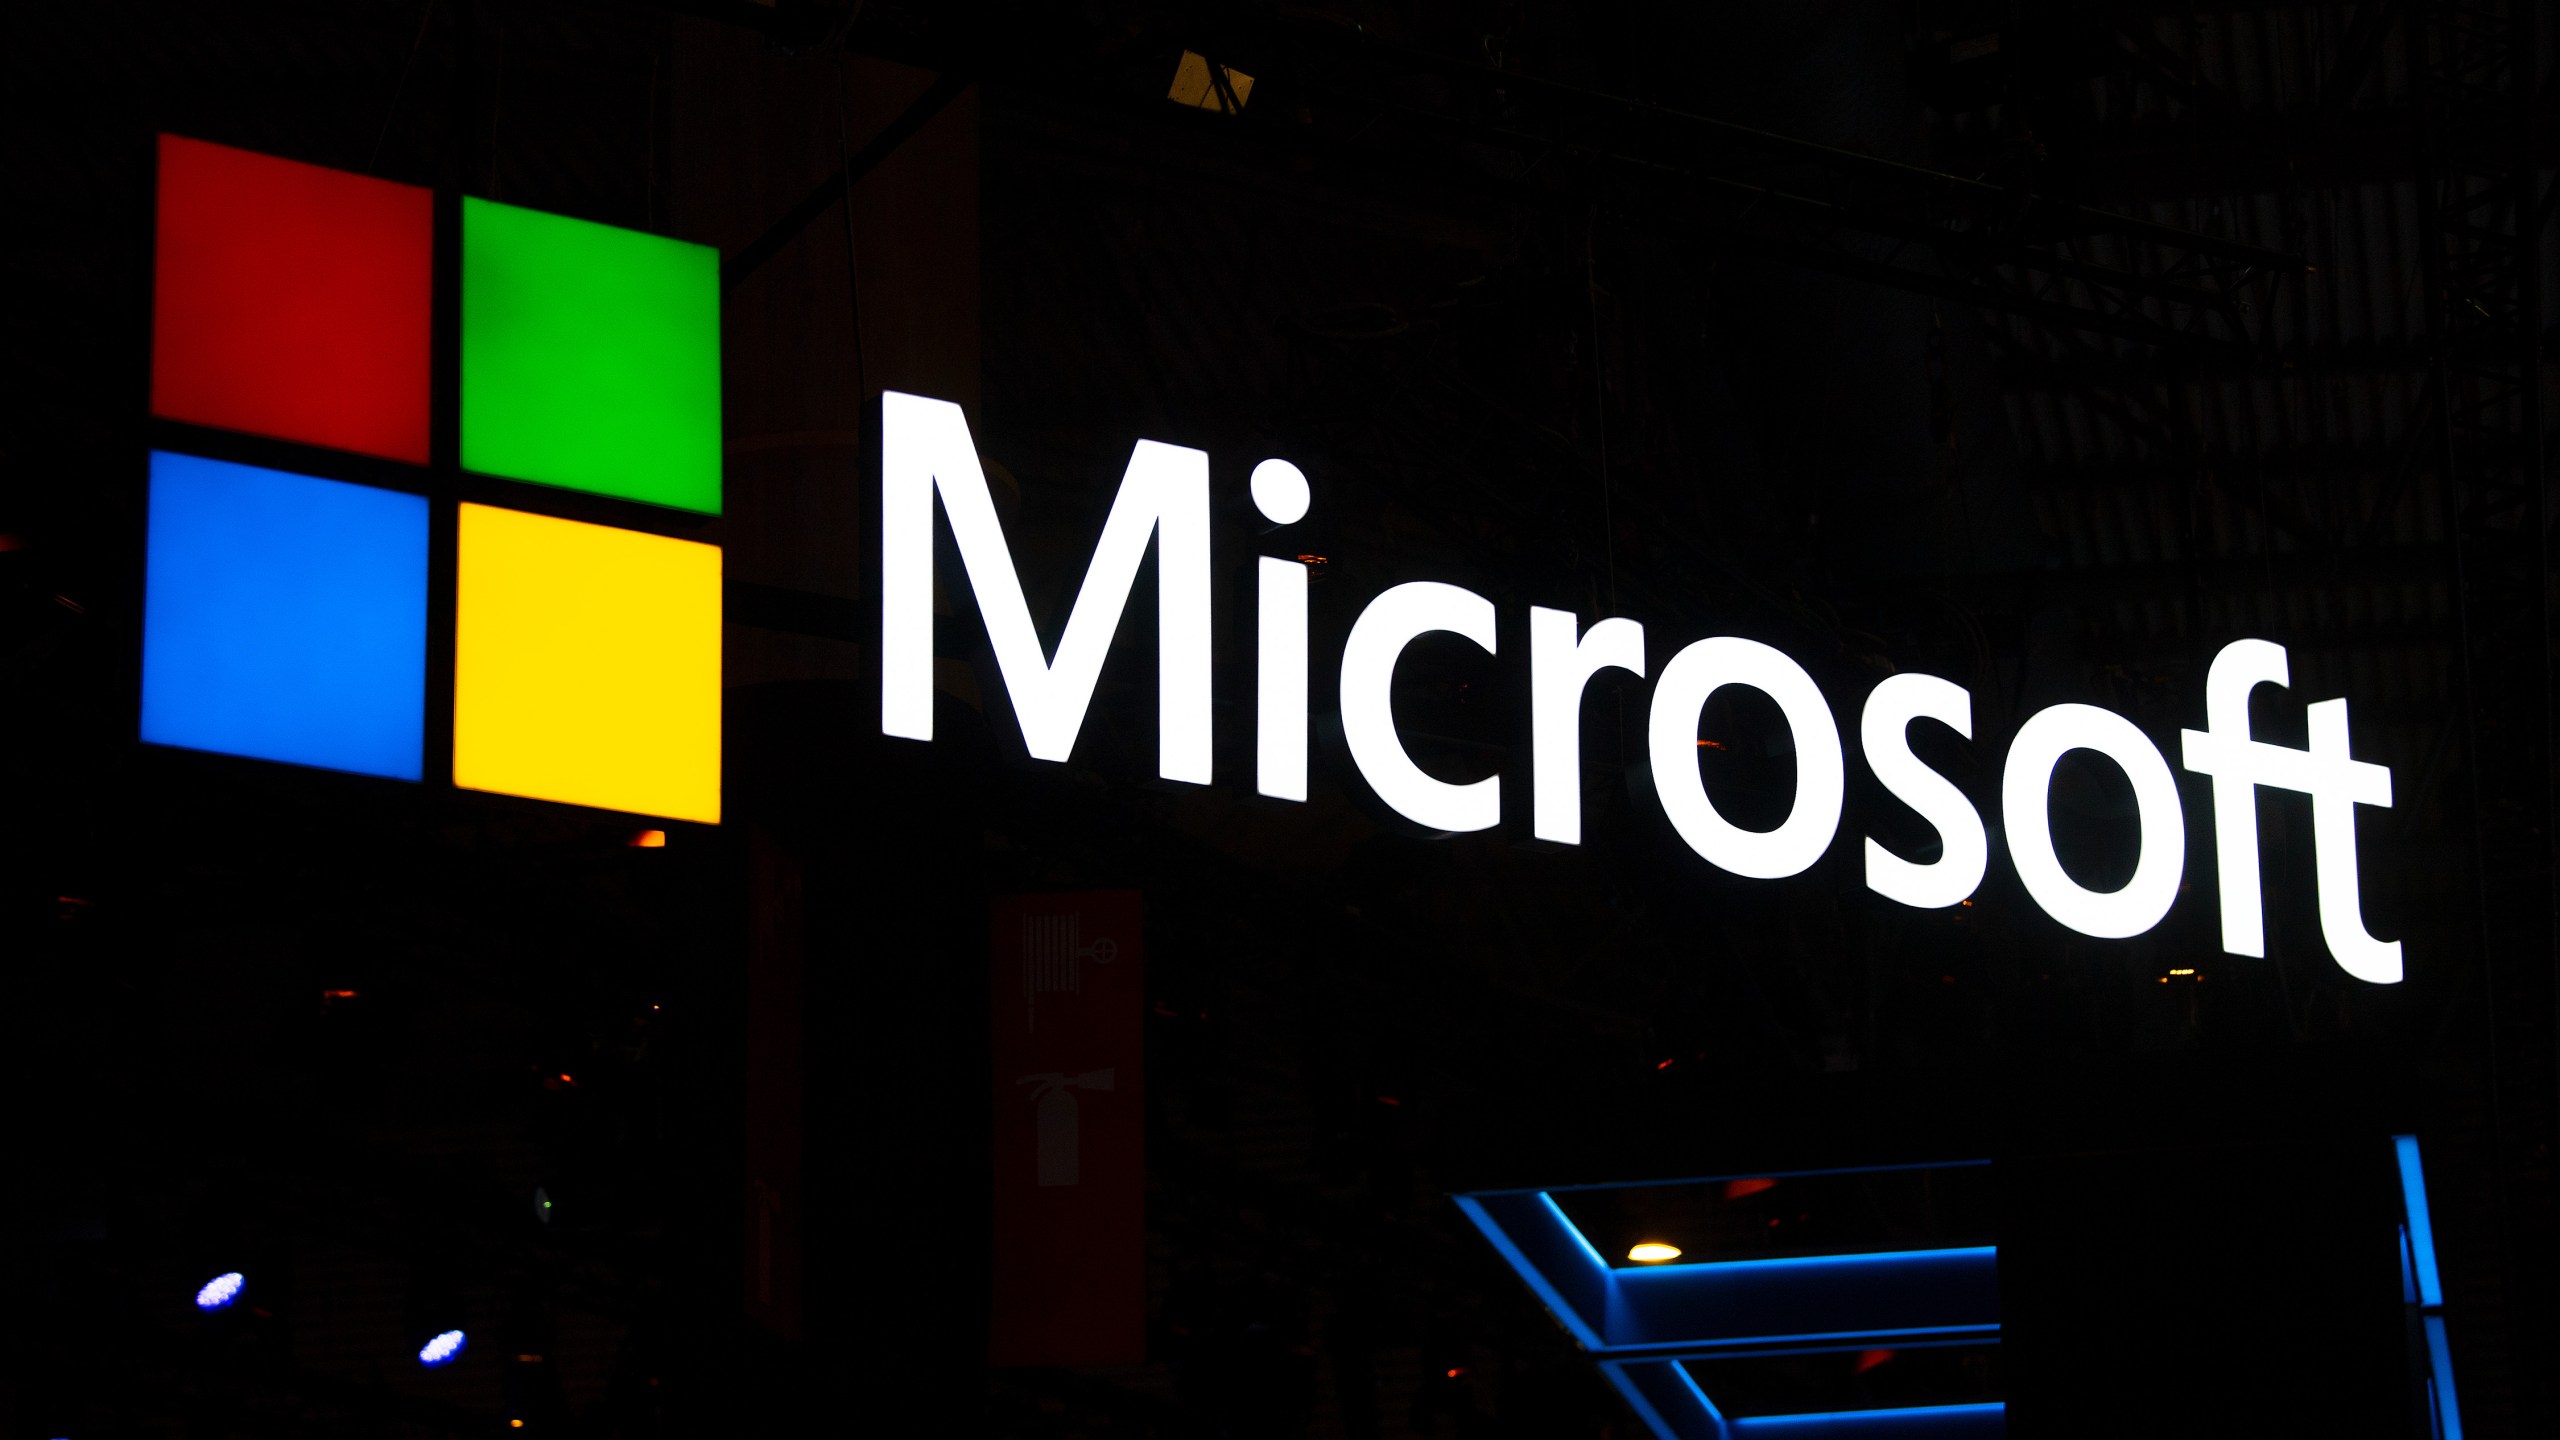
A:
{"points": [[925, 450]]}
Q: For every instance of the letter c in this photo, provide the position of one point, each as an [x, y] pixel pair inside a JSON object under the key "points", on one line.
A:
{"points": [[1378, 638]]}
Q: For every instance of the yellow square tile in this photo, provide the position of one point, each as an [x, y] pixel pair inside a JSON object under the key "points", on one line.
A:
{"points": [[587, 665]]}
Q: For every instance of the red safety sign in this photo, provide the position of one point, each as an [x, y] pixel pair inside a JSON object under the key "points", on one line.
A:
{"points": [[1070, 1161]]}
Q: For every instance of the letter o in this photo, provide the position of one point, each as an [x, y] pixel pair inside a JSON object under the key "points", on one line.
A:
{"points": [[2026, 784], [1672, 746]]}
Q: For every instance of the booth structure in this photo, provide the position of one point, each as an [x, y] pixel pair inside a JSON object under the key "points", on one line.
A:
{"points": [[1835, 1303], [1853, 1342]]}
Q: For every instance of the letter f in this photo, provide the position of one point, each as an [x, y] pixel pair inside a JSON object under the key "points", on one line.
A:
{"points": [[2335, 783]]}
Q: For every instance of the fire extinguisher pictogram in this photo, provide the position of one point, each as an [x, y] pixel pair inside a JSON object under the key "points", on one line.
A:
{"points": [[1057, 1138]]}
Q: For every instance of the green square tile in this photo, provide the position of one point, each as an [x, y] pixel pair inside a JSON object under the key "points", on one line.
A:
{"points": [[590, 357]]}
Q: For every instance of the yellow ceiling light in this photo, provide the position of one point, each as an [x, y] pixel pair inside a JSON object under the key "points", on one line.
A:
{"points": [[1653, 1252], [1195, 83]]}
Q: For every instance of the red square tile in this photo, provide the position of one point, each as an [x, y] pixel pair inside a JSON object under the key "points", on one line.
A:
{"points": [[292, 301]]}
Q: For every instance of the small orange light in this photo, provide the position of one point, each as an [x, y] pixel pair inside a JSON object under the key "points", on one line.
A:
{"points": [[1653, 1252], [1456, 1371], [337, 994], [649, 840], [1736, 1189], [1710, 744], [1665, 1065], [515, 1424]]}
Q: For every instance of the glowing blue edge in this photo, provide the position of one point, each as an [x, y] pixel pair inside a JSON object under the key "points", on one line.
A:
{"points": [[1860, 1417], [2440, 1360], [1594, 1343], [1547, 1293], [1859, 1341], [1692, 1382], [1634, 1397], [1785, 1344], [1578, 1237], [2422, 1237], [1988, 1335], [1791, 1262], [2418, 1251], [1615, 1362]]}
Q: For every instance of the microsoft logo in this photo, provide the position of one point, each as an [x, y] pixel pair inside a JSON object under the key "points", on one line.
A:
{"points": [[287, 610]]}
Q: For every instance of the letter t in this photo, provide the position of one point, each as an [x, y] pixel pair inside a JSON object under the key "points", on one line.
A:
{"points": [[2335, 783]]}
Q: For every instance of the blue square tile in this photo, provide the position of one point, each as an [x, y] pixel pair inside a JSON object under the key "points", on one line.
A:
{"points": [[285, 618]]}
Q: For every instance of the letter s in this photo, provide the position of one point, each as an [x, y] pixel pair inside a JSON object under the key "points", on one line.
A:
{"points": [[1884, 732]]}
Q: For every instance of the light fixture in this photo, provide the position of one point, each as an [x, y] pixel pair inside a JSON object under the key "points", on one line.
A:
{"points": [[1653, 1252], [1199, 83], [442, 1350], [221, 1290]]}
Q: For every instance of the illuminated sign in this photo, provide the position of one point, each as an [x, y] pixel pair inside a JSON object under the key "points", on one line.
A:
{"points": [[590, 357], [586, 660], [286, 614], [286, 618], [927, 453]]}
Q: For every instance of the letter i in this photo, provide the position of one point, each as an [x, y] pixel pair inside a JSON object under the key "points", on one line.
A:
{"points": [[1280, 685]]}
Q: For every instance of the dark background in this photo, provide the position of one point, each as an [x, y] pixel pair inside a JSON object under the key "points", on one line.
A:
{"points": [[1613, 308]]}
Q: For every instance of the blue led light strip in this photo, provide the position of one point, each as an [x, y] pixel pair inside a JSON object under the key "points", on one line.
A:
{"points": [[1641, 1322], [2425, 1288], [1802, 1262], [1989, 1418], [1547, 1294], [2421, 1229]]}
